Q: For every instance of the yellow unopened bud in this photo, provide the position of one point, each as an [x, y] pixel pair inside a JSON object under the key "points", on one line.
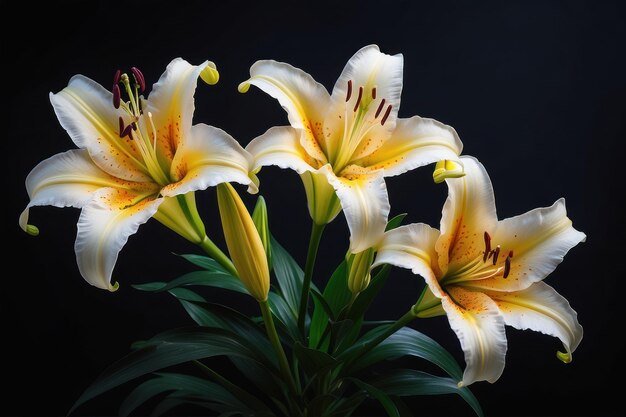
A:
{"points": [[321, 198], [259, 216], [447, 169], [359, 270], [244, 243], [209, 74]]}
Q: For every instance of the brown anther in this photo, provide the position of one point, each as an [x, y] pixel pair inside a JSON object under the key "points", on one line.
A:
{"points": [[380, 108], [349, 93], [510, 254], [134, 125], [121, 122], [116, 78], [126, 131], [117, 96], [358, 99], [139, 78], [487, 239], [507, 266], [496, 253], [382, 122], [374, 93]]}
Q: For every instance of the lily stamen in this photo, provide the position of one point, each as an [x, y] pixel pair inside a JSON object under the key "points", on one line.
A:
{"points": [[349, 94], [358, 100], [496, 253], [507, 267], [382, 122], [380, 108], [374, 93]]}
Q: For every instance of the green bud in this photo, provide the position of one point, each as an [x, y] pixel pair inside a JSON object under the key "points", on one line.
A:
{"points": [[359, 270], [259, 216]]}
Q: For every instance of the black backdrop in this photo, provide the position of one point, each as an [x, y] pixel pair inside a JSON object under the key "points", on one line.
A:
{"points": [[536, 91]]}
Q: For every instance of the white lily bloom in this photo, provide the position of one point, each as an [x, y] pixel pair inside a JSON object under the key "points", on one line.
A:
{"points": [[137, 159], [344, 144], [485, 273]]}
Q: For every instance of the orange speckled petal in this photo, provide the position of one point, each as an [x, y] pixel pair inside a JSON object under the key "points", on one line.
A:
{"points": [[415, 142], [477, 322], [171, 103], [412, 247], [209, 157], [104, 226], [539, 240], [304, 100], [469, 212], [85, 110], [69, 179], [542, 309]]}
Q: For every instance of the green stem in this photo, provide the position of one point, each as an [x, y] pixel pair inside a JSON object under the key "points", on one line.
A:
{"points": [[216, 253], [314, 242], [275, 341], [400, 323]]}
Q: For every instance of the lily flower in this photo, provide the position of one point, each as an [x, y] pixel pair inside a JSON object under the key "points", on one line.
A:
{"points": [[138, 158], [485, 273], [344, 144]]}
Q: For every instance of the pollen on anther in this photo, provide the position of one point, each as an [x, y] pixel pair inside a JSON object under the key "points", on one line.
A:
{"points": [[358, 99], [510, 254], [139, 78], [384, 119], [487, 239], [374, 93], [507, 267], [496, 253], [121, 123], [379, 109], [349, 93]]}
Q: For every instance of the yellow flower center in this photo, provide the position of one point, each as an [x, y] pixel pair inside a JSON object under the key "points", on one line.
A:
{"points": [[369, 112], [483, 266], [139, 126]]}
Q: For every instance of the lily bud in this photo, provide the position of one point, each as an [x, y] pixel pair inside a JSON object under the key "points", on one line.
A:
{"points": [[359, 270], [259, 216], [321, 198], [209, 74], [447, 169], [244, 243]]}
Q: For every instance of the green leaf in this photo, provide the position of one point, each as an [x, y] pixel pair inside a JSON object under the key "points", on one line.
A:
{"points": [[204, 262], [382, 397], [313, 361], [164, 350], [337, 296], [204, 278], [344, 407], [365, 298], [283, 313], [407, 341], [319, 298], [408, 382], [172, 401], [396, 221], [191, 386], [289, 276]]}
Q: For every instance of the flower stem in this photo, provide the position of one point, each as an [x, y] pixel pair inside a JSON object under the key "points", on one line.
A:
{"points": [[400, 323], [275, 341], [314, 242], [216, 253]]}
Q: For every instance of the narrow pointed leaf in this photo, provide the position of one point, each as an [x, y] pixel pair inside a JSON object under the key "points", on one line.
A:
{"points": [[382, 397], [204, 262], [289, 276]]}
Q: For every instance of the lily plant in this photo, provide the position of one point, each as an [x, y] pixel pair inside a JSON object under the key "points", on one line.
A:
{"points": [[142, 157]]}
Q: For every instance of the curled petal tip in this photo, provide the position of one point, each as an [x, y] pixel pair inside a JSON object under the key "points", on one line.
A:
{"points": [[564, 357], [209, 74], [32, 230], [244, 87], [253, 187], [447, 169], [114, 287]]}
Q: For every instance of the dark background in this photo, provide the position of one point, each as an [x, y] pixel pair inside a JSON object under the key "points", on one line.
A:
{"points": [[536, 91]]}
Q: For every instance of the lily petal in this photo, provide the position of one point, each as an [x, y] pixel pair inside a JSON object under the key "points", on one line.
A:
{"points": [[477, 322], [412, 247], [171, 104], [280, 146], [103, 229], [209, 157], [539, 240], [85, 110], [68, 179], [380, 77], [365, 204], [304, 100], [415, 142], [468, 213], [542, 309]]}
